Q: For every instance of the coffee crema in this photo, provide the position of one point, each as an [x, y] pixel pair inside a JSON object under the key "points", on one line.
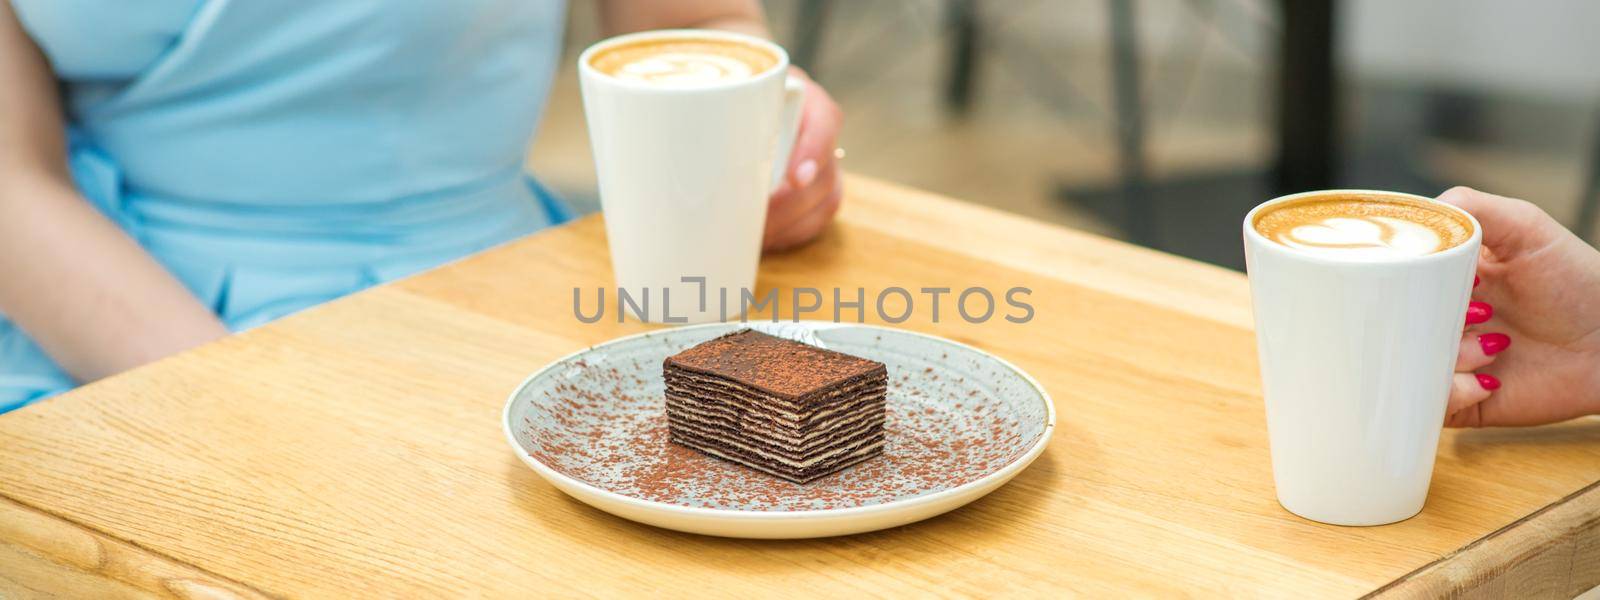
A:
{"points": [[683, 61], [1363, 226]]}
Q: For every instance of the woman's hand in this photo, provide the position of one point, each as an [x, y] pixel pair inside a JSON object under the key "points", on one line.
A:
{"points": [[809, 195], [1539, 285]]}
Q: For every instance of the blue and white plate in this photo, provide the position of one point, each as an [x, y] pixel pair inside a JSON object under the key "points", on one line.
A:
{"points": [[961, 423]]}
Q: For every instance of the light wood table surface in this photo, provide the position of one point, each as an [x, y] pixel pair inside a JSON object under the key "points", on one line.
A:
{"points": [[354, 450]]}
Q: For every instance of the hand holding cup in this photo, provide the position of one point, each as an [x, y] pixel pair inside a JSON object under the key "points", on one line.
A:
{"points": [[1538, 285]]}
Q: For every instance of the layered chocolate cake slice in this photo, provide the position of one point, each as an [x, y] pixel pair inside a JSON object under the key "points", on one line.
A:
{"points": [[790, 409]]}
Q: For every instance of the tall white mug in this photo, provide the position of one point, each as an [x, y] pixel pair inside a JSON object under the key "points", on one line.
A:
{"points": [[1356, 363], [684, 174]]}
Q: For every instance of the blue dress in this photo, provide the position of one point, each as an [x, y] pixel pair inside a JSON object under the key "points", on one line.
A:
{"points": [[276, 154]]}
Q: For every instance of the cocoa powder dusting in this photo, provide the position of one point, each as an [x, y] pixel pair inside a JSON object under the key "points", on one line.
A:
{"points": [[782, 367]]}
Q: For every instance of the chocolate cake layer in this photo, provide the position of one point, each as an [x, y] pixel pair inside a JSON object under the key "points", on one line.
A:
{"points": [[818, 419], [796, 474], [795, 441], [837, 400], [743, 412], [781, 407], [809, 451], [801, 440]]}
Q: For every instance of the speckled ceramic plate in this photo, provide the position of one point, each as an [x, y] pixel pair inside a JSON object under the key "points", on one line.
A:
{"points": [[961, 423]]}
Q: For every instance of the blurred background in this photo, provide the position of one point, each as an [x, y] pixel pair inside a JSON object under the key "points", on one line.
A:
{"points": [[1163, 122]]}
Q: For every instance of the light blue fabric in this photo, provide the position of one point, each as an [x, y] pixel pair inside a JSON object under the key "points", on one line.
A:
{"points": [[276, 154]]}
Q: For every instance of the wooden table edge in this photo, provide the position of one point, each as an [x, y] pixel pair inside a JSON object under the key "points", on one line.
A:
{"points": [[1536, 553], [48, 554]]}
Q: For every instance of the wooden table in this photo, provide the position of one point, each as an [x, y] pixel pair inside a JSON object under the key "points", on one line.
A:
{"points": [[354, 450]]}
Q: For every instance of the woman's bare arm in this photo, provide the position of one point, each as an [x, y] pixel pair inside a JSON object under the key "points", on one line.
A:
{"points": [[71, 279]]}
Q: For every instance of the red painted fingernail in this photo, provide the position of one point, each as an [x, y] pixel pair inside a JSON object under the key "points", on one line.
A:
{"points": [[1474, 281], [1488, 382], [1493, 343], [1478, 312]]}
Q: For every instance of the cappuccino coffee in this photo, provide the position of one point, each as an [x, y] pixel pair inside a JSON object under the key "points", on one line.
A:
{"points": [[692, 131], [1363, 226], [1357, 298], [683, 61]]}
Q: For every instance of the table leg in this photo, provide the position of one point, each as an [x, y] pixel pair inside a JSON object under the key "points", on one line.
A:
{"points": [[809, 21], [1308, 102], [962, 19], [1590, 200], [1128, 98]]}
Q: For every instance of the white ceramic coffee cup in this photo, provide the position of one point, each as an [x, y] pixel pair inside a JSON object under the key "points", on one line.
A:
{"points": [[1356, 364], [685, 173]]}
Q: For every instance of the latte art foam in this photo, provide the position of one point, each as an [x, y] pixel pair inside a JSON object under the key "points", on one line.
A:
{"points": [[682, 68], [683, 62], [1363, 226], [1384, 236]]}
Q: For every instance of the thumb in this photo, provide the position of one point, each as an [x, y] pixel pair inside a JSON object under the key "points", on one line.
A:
{"points": [[1510, 226]]}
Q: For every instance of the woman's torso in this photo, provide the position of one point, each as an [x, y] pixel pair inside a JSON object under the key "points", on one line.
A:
{"points": [[302, 101], [258, 147]]}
